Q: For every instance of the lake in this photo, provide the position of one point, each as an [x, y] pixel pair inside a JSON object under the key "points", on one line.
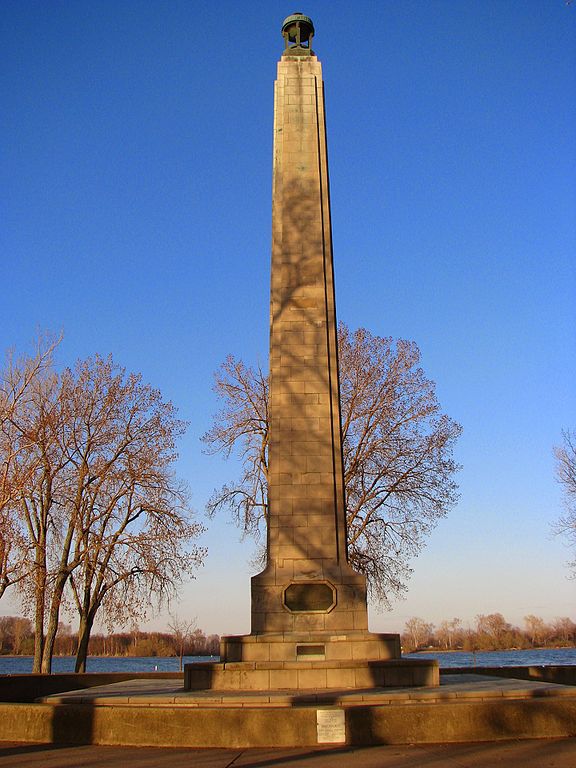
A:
{"points": [[14, 664], [547, 656], [533, 657]]}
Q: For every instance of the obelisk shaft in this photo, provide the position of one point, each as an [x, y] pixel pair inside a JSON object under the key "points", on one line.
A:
{"points": [[307, 584], [306, 494]]}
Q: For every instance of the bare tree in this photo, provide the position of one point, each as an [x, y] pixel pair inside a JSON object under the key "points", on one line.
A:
{"points": [[492, 630], [448, 632], [101, 508], [417, 633], [181, 632], [566, 475], [535, 628], [242, 426], [18, 380], [133, 524], [32, 457], [398, 462], [564, 628]]}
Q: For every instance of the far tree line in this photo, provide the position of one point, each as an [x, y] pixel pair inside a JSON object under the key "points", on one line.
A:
{"points": [[488, 632], [17, 639]]}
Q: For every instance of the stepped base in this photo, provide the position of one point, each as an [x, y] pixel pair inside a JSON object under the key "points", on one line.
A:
{"points": [[307, 675], [313, 645]]}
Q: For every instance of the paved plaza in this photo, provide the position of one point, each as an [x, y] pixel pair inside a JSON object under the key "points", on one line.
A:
{"points": [[458, 687], [541, 753]]}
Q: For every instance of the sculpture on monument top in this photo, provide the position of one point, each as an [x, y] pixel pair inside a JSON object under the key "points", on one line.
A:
{"points": [[298, 29]]}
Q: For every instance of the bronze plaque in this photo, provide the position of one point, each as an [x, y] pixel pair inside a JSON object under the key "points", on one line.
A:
{"points": [[306, 597]]}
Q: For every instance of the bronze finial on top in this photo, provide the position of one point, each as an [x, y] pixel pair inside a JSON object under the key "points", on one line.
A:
{"points": [[298, 31]]}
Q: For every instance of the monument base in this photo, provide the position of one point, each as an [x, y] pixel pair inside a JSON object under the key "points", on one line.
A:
{"points": [[310, 645], [310, 660]]}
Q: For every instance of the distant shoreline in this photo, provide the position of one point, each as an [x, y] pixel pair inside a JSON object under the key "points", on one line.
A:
{"points": [[109, 656], [493, 650]]}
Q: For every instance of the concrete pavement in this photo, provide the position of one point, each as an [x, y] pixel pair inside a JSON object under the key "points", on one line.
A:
{"points": [[541, 753]]}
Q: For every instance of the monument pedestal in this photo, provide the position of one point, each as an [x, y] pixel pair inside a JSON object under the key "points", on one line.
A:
{"points": [[312, 674], [314, 645]]}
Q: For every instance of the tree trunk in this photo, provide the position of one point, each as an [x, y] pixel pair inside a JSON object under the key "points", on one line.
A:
{"points": [[53, 619], [84, 630], [38, 636], [82, 647], [39, 600]]}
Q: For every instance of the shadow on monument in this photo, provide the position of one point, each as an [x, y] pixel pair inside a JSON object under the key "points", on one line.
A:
{"points": [[73, 724], [534, 717]]}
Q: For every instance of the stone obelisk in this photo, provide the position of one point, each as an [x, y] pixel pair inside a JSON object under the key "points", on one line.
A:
{"points": [[308, 584], [309, 611]]}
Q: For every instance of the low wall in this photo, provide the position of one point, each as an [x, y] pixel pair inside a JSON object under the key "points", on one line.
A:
{"points": [[563, 674], [29, 687], [242, 727]]}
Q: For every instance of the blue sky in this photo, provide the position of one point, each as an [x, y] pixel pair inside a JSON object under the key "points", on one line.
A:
{"points": [[136, 206]]}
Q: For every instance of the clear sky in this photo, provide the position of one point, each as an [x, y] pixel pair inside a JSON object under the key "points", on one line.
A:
{"points": [[136, 141]]}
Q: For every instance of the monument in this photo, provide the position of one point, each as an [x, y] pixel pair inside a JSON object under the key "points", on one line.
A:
{"points": [[309, 610]]}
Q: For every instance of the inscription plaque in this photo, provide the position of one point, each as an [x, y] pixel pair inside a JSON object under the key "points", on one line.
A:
{"points": [[331, 726], [310, 597]]}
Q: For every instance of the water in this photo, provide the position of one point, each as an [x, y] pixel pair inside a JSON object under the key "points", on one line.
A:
{"points": [[533, 657], [17, 664], [546, 656]]}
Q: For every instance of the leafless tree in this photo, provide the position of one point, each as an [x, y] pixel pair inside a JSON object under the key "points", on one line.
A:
{"points": [[398, 460], [566, 475], [494, 627], [398, 463], [100, 509], [535, 628], [134, 528], [417, 633], [242, 426], [564, 628], [449, 632], [18, 380], [181, 633]]}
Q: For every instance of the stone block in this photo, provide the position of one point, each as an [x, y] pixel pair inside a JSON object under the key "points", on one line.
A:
{"points": [[360, 620], [226, 679], [316, 409], [282, 651], [364, 677], [197, 679], [339, 621], [255, 680], [281, 679], [256, 652], [273, 622], [365, 649], [311, 678], [300, 98], [303, 88], [340, 677], [341, 651], [318, 463], [307, 569], [309, 621]]}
